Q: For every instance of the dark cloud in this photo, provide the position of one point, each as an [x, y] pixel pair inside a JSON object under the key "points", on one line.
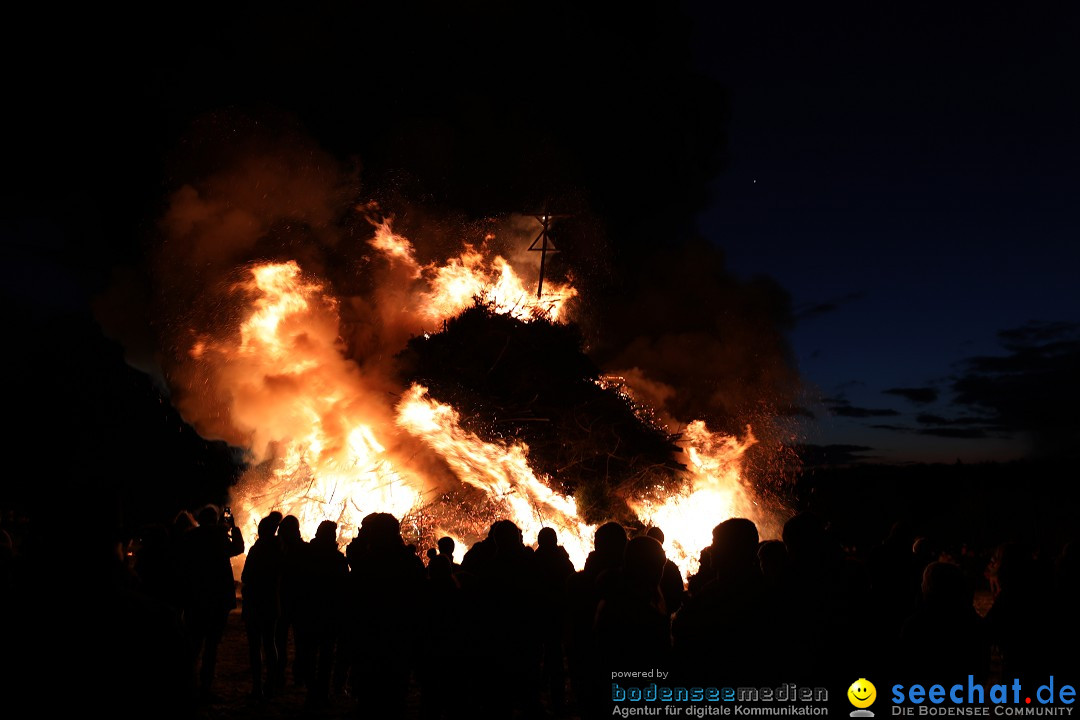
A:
{"points": [[861, 412], [1033, 390], [954, 432], [931, 419], [843, 408], [835, 454], [918, 395], [945, 431], [958, 428], [808, 311], [1035, 333]]}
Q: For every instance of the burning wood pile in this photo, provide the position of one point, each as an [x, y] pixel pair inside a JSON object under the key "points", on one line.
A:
{"points": [[448, 396]]}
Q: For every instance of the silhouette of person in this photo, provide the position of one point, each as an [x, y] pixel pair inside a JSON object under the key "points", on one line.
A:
{"points": [[446, 550], [719, 630], [325, 575], [158, 567], [442, 637], [553, 567], [293, 554], [479, 558], [183, 522], [633, 626], [773, 561], [122, 649], [671, 585], [386, 591], [261, 581], [211, 588], [819, 608], [1022, 621], [511, 587], [945, 637], [583, 596]]}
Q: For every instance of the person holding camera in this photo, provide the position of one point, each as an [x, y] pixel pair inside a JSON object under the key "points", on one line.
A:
{"points": [[210, 589]]}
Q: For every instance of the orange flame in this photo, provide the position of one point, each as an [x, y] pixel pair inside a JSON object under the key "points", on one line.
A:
{"points": [[329, 444], [395, 247], [503, 471], [304, 406], [712, 492], [453, 286]]}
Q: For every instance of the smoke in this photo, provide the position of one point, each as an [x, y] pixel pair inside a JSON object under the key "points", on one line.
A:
{"points": [[691, 340], [267, 196], [245, 190], [275, 198], [263, 197], [715, 341], [697, 342]]}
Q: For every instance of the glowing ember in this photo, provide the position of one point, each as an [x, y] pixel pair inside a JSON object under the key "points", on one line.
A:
{"points": [[329, 442]]}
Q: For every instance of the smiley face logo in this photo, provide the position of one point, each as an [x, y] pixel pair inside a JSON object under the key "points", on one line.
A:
{"points": [[862, 693]]}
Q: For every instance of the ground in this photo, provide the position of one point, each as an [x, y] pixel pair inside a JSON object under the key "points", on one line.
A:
{"points": [[233, 686]]}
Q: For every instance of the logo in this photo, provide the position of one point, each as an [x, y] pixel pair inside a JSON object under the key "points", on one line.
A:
{"points": [[1007, 699], [862, 694]]}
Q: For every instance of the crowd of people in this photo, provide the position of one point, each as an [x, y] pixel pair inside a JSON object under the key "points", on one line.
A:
{"points": [[515, 630]]}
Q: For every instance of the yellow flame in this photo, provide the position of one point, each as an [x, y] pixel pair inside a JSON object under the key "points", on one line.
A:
{"points": [[321, 431], [712, 492], [395, 247], [304, 407], [448, 288], [501, 470]]}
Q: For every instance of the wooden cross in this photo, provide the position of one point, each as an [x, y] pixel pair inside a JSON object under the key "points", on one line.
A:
{"points": [[543, 245]]}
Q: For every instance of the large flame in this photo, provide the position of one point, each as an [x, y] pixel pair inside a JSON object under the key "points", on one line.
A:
{"points": [[449, 288], [712, 492], [502, 471], [306, 409], [330, 443]]}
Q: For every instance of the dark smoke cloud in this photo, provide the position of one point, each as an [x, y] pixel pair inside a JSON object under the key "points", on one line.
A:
{"points": [[709, 346], [616, 128], [247, 188], [266, 196], [716, 341], [691, 338]]}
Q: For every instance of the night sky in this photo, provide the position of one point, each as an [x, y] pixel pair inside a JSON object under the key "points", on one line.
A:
{"points": [[910, 176], [896, 186]]}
